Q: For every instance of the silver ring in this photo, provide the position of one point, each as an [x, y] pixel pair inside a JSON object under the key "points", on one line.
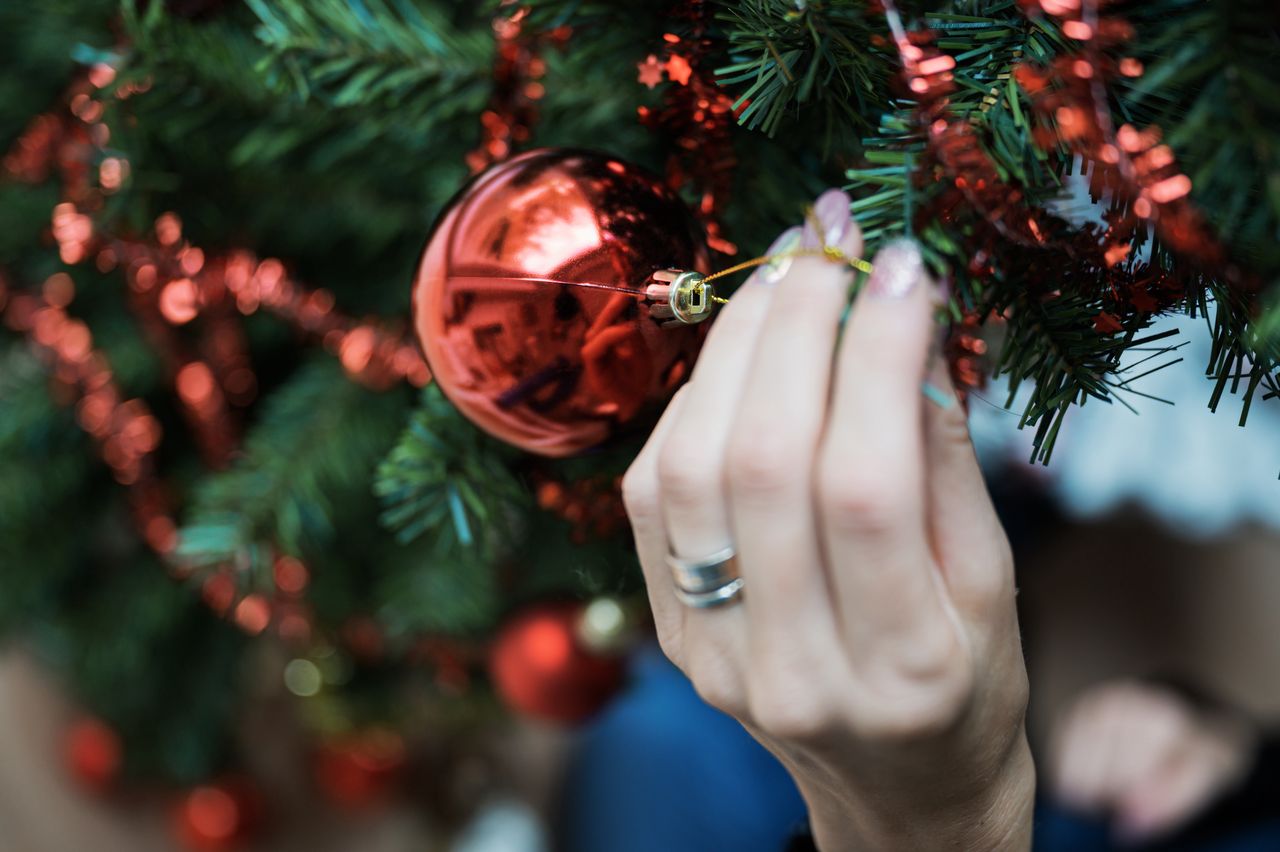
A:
{"points": [[715, 597], [706, 582]]}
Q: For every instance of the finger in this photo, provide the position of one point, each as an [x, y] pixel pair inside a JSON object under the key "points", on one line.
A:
{"points": [[770, 460], [691, 464], [641, 496], [969, 543], [871, 473], [691, 480]]}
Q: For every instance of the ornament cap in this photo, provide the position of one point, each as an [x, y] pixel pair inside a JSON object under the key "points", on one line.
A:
{"points": [[682, 296]]}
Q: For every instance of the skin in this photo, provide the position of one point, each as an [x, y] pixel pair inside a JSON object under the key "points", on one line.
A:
{"points": [[875, 650], [1145, 755]]}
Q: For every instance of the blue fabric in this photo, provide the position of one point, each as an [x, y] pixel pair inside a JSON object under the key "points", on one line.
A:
{"points": [[661, 771]]}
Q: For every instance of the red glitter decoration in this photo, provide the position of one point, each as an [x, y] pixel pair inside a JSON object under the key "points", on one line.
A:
{"points": [[508, 120], [172, 282], [1127, 164], [699, 117], [593, 505], [651, 71]]}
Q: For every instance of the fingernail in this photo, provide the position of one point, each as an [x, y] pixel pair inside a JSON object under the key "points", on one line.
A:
{"points": [[774, 271], [831, 215], [898, 268]]}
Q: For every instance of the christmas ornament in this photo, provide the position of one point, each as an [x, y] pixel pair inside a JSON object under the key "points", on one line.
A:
{"points": [[217, 817], [532, 299], [360, 770], [93, 753], [541, 668]]}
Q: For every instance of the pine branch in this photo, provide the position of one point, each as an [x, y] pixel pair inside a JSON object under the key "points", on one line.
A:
{"points": [[1049, 295], [1052, 344], [305, 469], [448, 488], [1209, 83], [785, 59], [446, 480], [392, 53]]}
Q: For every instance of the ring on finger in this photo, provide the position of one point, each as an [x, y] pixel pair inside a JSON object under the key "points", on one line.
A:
{"points": [[710, 581]]}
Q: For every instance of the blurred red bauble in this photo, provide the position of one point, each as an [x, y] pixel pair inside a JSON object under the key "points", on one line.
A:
{"points": [[217, 817], [542, 669], [529, 300], [93, 753], [361, 770]]}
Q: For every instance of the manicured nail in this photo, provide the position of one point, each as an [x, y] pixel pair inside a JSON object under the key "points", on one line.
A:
{"points": [[831, 216], [898, 268], [774, 271]]}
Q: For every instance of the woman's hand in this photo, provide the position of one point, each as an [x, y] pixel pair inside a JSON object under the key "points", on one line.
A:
{"points": [[874, 648]]}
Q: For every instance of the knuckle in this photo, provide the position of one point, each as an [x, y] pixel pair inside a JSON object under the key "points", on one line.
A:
{"points": [[922, 696], [860, 501], [984, 582], [669, 640], [717, 682], [687, 479], [791, 709], [639, 494], [935, 655], [790, 718], [763, 465]]}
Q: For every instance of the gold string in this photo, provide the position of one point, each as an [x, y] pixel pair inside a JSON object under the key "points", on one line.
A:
{"points": [[835, 254]]}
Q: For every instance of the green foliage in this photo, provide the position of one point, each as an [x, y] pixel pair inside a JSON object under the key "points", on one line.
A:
{"points": [[303, 475], [1210, 84], [446, 479], [786, 58], [1050, 345], [378, 55]]}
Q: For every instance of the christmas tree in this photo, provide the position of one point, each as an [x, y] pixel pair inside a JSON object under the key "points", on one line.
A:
{"points": [[218, 432]]}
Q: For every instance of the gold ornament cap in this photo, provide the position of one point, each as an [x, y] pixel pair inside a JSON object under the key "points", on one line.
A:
{"points": [[680, 296]]}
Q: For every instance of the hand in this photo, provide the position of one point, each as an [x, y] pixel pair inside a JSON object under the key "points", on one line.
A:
{"points": [[875, 647], [1147, 756]]}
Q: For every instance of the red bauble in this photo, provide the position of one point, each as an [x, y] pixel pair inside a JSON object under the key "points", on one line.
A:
{"points": [[541, 668], [217, 817], [93, 753], [530, 306], [360, 770]]}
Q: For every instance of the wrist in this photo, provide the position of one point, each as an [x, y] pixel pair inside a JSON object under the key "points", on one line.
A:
{"points": [[996, 819]]}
